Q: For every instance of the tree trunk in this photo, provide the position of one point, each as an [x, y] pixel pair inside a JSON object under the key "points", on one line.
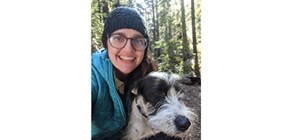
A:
{"points": [[104, 9], [185, 45], [196, 69], [183, 26], [154, 20], [117, 4], [157, 25]]}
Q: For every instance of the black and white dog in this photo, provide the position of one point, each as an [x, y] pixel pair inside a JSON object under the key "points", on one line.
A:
{"points": [[158, 108]]}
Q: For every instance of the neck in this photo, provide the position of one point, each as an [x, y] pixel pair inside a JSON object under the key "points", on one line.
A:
{"points": [[121, 76]]}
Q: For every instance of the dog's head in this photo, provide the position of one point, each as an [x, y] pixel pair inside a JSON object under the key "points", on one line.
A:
{"points": [[159, 99]]}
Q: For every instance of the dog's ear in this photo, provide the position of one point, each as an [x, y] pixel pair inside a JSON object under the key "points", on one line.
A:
{"points": [[135, 87], [134, 90]]}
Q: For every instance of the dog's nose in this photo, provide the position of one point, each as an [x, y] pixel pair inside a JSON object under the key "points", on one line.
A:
{"points": [[182, 123]]}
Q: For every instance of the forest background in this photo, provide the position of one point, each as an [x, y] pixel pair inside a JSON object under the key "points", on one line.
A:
{"points": [[174, 29]]}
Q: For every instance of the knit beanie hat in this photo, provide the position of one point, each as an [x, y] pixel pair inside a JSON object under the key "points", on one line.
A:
{"points": [[124, 17]]}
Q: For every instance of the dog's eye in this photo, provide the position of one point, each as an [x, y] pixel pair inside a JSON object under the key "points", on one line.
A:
{"points": [[155, 97], [180, 98]]}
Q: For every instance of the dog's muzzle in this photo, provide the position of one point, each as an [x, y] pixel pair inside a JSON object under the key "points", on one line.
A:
{"points": [[182, 123]]}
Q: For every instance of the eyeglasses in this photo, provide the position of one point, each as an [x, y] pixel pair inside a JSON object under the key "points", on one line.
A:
{"points": [[119, 41]]}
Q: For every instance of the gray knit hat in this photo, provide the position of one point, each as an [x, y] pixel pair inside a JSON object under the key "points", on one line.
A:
{"points": [[124, 17]]}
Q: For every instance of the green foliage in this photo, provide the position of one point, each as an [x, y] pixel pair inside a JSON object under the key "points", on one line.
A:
{"points": [[163, 19], [97, 25], [98, 14], [170, 58]]}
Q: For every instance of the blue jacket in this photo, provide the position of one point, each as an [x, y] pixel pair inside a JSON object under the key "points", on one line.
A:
{"points": [[108, 113]]}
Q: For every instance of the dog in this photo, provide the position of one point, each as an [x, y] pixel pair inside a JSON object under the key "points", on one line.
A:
{"points": [[157, 107]]}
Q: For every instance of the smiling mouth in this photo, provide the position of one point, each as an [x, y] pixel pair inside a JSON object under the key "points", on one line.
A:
{"points": [[126, 58]]}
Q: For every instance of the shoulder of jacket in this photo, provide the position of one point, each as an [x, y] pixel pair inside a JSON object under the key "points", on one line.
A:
{"points": [[100, 62]]}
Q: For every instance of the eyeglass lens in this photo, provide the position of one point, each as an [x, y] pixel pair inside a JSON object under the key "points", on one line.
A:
{"points": [[119, 41]]}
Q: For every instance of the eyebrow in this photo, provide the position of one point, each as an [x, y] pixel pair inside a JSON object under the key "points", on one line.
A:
{"points": [[123, 34]]}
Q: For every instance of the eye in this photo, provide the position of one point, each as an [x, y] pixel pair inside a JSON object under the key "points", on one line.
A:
{"points": [[139, 41], [117, 38]]}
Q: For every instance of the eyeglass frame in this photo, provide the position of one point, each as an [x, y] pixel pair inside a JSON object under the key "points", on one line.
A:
{"points": [[131, 42]]}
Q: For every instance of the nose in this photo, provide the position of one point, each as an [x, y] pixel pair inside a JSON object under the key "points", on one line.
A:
{"points": [[128, 46], [182, 123]]}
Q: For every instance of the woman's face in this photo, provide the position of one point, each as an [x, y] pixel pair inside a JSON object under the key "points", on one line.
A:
{"points": [[125, 59]]}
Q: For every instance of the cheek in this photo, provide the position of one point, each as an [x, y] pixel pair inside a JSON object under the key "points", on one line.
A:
{"points": [[140, 56], [112, 53]]}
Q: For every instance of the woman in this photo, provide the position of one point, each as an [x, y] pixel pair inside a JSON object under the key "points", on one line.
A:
{"points": [[115, 68]]}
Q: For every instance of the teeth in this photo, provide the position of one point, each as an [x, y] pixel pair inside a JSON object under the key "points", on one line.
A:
{"points": [[126, 58]]}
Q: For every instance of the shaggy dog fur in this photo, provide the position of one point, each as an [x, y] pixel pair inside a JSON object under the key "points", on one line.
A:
{"points": [[157, 108]]}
